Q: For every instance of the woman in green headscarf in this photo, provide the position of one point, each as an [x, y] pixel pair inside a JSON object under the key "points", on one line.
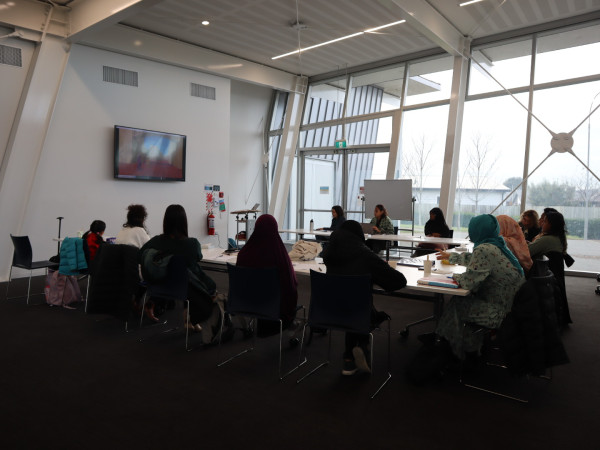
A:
{"points": [[493, 276]]}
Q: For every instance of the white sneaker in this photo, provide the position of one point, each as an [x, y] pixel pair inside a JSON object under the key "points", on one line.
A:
{"points": [[361, 360]]}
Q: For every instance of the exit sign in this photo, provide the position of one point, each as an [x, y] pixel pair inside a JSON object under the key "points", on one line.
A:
{"points": [[340, 143]]}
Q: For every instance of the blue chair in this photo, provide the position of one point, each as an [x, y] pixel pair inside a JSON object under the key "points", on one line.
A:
{"points": [[173, 288], [255, 293], [23, 259], [342, 303]]}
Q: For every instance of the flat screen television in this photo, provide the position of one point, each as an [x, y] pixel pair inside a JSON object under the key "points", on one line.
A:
{"points": [[149, 155]]}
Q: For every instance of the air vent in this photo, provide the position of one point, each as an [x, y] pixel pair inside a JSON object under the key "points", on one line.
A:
{"points": [[10, 56], [119, 76], [197, 90]]}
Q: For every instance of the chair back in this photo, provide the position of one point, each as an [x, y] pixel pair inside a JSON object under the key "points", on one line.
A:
{"points": [[23, 255], [450, 234], [340, 302], [254, 292], [556, 264], [175, 285]]}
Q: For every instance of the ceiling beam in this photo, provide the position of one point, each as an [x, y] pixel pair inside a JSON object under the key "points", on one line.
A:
{"points": [[92, 15], [31, 16], [429, 22]]}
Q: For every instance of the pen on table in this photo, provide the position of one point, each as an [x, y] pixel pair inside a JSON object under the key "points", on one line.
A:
{"points": [[320, 270]]}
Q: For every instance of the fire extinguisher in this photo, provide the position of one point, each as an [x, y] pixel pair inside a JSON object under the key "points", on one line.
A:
{"points": [[211, 224]]}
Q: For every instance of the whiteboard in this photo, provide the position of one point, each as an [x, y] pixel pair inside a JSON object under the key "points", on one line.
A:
{"points": [[394, 195]]}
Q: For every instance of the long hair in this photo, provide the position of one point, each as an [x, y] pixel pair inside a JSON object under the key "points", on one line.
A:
{"points": [[338, 210], [382, 209], [439, 216], [557, 226], [97, 226], [136, 216], [533, 215], [175, 222]]}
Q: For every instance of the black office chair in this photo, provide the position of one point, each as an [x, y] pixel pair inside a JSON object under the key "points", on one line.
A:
{"points": [[23, 259], [556, 264], [113, 282], [173, 288], [342, 303], [255, 293], [527, 342]]}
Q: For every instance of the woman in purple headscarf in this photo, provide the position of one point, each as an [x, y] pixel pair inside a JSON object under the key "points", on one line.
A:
{"points": [[265, 248]]}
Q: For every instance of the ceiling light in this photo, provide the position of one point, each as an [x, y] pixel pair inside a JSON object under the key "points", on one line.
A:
{"points": [[205, 22], [370, 30], [469, 2]]}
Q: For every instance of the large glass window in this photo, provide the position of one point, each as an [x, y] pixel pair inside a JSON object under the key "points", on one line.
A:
{"points": [[376, 90], [429, 80], [569, 54], [562, 182], [491, 158], [423, 141], [509, 64]]}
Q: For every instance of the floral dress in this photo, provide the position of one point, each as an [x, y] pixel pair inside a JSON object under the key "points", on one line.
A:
{"points": [[493, 282]]}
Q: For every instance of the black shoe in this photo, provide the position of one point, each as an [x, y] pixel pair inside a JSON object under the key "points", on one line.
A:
{"points": [[349, 367]]}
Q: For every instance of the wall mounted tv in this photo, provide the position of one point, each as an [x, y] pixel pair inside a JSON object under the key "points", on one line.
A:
{"points": [[149, 155]]}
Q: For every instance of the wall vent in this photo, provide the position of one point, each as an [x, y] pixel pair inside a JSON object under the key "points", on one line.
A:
{"points": [[197, 90], [10, 56], [119, 76]]}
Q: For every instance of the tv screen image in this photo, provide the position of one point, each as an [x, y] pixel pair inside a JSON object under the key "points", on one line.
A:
{"points": [[149, 155]]}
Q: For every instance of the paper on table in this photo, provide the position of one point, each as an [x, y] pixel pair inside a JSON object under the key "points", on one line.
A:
{"points": [[436, 280]]}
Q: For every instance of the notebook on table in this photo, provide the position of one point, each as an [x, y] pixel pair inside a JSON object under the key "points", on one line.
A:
{"points": [[437, 280]]}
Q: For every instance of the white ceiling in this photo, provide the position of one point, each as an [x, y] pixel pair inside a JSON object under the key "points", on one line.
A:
{"points": [[257, 30]]}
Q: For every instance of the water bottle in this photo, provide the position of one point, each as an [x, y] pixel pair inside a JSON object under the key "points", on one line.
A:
{"points": [[312, 225]]}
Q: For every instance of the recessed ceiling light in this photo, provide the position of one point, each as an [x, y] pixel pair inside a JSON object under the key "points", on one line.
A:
{"points": [[370, 30], [205, 22], [469, 2]]}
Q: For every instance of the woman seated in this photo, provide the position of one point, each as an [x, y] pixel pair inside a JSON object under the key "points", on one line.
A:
{"points": [[513, 236], [381, 225], [175, 241], [265, 248], [553, 236], [529, 223], [134, 230], [436, 226], [93, 238], [337, 219], [493, 276], [347, 254], [134, 233]]}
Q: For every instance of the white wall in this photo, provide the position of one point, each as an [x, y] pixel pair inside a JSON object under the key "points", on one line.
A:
{"points": [[13, 79], [249, 110], [75, 175]]}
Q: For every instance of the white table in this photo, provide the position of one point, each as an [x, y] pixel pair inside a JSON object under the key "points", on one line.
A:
{"points": [[402, 237]]}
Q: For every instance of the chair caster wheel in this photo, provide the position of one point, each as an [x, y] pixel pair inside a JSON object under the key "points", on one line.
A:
{"points": [[294, 342], [597, 290], [404, 333]]}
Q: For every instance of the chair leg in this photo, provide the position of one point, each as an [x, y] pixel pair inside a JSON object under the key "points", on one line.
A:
{"points": [[87, 292], [249, 349], [389, 359], [29, 286], [8, 284], [187, 325], [320, 365]]}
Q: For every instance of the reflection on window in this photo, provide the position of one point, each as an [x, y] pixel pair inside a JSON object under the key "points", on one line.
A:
{"points": [[429, 81], [570, 54], [510, 64], [376, 90]]}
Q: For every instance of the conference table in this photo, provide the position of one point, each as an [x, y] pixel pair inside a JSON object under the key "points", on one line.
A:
{"points": [[401, 237], [216, 259]]}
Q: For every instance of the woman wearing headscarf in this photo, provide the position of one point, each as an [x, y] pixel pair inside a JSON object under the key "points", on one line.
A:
{"points": [[493, 276], [347, 254], [265, 248], [436, 226], [515, 240]]}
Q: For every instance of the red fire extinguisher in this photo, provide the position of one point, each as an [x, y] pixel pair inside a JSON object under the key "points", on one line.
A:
{"points": [[211, 224]]}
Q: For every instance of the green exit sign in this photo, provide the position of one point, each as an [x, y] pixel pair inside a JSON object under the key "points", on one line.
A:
{"points": [[340, 143]]}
